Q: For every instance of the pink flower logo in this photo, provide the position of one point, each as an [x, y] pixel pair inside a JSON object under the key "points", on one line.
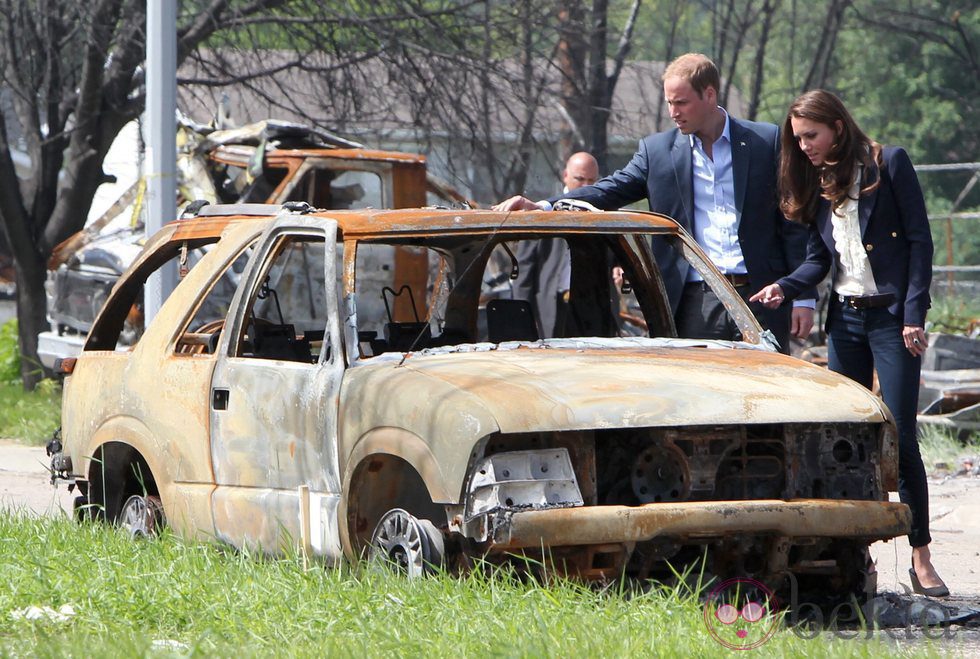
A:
{"points": [[741, 613]]}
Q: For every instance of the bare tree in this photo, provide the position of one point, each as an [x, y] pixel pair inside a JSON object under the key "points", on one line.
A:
{"points": [[587, 83], [573, 50], [74, 75], [675, 11], [820, 67], [473, 80], [768, 11], [741, 27]]}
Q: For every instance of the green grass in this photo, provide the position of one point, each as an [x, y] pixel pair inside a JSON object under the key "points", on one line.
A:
{"points": [[953, 314], [940, 446], [29, 417], [9, 352], [215, 602]]}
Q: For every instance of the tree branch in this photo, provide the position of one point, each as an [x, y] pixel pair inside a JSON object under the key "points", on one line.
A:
{"points": [[623, 49], [14, 215]]}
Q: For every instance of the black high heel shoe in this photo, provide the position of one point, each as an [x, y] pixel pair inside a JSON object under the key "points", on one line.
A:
{"points": [[934, 591]]}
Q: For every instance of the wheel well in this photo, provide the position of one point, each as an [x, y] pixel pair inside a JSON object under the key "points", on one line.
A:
{"points": [[117, 472], [382, 482]]}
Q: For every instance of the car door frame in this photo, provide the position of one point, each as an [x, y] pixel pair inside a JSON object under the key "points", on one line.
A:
{"points": [[275, 460]]}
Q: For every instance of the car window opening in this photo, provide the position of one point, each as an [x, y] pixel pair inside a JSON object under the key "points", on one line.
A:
{"points": [[286, 318], [446, 291], [201, 334]]}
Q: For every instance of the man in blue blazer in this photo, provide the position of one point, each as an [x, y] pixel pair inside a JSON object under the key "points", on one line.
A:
{"points": [[715, 175]]}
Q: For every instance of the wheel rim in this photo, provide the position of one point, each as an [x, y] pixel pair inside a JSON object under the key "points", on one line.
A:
{"points": [[406, 543], [140, 516]]}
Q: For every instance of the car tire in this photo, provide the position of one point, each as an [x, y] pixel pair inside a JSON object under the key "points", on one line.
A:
{"points": [[141, 516], [412, 546]]}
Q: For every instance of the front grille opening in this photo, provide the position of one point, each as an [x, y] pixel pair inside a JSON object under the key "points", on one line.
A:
{"points": [[659, 465], [754, 469], [640, 466]]}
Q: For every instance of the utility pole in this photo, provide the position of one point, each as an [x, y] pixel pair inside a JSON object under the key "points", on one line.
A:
{"points": [[161, 139]]}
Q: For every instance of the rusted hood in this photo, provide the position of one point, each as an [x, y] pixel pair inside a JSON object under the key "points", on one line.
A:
{"points": [[552, 388]]}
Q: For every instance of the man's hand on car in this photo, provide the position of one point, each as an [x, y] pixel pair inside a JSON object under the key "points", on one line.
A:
{"points": [[516, 203]]}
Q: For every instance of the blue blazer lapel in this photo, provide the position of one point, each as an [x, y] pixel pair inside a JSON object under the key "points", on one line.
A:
{"points": [[866, 204], [680, 155], [741, 157], [826, 228]]}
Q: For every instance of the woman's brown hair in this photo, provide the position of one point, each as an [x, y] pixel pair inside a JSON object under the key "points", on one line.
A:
{"points": [[801, 184]]}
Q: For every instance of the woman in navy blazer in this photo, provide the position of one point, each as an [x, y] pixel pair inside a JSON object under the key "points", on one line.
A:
{"points": [[869, 229]]}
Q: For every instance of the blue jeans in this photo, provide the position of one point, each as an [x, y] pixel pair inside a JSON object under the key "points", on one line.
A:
{"points": [[860, 341]]}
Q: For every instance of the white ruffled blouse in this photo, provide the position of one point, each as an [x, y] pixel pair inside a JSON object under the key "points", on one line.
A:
{"points": [[854, 276]]}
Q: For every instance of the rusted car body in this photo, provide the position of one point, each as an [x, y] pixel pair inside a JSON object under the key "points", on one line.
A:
{"points": [[349, 408]]}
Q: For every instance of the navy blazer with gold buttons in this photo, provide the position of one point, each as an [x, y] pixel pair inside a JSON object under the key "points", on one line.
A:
{"points": [[896, 237]]}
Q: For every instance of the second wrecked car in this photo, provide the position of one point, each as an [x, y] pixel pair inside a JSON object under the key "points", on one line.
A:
{"points": [[265, 162]]}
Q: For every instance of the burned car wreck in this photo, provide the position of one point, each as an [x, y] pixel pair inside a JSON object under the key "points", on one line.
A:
{"points": [[266, 162], [362, 395]]}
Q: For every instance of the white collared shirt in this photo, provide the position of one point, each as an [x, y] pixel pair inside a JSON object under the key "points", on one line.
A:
{"points": [[854, 276], [715, 217]]}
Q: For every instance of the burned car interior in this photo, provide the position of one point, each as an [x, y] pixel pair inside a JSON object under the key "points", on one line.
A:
{"points": [[456, 294], [434, 292], [286, 316]]}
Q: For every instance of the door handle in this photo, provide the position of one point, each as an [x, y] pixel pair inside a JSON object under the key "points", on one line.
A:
{"points": [[219, 399]]}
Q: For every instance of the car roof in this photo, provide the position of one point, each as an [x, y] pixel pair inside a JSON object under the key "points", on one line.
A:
{"points": [[402, 223], [279, 155]]}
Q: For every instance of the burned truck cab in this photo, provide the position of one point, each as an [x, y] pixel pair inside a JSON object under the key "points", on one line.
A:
{"points": [[270, 162]]}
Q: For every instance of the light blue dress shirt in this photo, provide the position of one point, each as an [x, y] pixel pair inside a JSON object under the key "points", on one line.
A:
{"points": [[715, 217]]}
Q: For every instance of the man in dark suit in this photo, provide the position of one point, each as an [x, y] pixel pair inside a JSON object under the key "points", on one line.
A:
{"points": [[715, 175], [545, 267]]}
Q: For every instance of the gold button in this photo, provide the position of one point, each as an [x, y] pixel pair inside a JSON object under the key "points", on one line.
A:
{"points": [[869, 247], [894, 234]]}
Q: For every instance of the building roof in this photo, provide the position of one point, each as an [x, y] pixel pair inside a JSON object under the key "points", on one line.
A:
{"points": [[381, 110]]}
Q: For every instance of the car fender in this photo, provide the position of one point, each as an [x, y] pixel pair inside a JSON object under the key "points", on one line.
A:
{"points": [[396, 442], [132, 432]]}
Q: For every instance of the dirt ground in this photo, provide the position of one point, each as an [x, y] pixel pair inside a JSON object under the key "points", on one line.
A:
{"points": [[954, 510], [25, 483]]}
